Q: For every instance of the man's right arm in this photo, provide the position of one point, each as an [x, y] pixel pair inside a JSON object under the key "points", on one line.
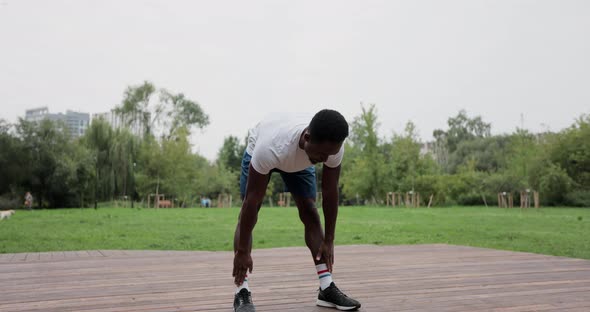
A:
{"points": [[255, 191]]}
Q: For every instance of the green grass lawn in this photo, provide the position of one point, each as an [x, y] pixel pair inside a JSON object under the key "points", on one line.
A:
{"points": [[553, 231]]}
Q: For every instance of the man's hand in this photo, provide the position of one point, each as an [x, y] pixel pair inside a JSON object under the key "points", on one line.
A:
{"points": [[242, 264], [327, 251]]}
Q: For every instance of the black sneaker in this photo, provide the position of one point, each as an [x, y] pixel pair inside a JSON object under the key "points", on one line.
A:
{"points": [[243, 301], [332, 297]]}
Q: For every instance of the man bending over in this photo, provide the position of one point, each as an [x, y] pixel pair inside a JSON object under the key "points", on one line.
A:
{"points": [[291, 145]]}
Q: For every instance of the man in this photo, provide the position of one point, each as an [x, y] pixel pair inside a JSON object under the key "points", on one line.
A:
{"points": [[291, 145]]}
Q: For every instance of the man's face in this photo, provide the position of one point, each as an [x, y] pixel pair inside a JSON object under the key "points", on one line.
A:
{"points": [[319, 152]]}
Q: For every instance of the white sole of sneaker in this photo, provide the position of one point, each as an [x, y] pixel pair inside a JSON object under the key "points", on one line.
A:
{"points": [[327, 304]]}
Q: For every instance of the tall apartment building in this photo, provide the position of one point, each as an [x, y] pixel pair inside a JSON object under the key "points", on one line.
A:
{"points": [[76, 122]]}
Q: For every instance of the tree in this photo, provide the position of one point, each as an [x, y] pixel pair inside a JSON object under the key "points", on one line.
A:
{"points": [[230, 154], [99, 138], [170, 111], [82, 180], [169, 117], [488, 154], [135, 109], [562, 167], [520, 154], [462, 128], [168, 166], [150, 167], [178, 171], [365, 174], [182, 112], [14, 168], [405, 162], [364, 130], [572, 151], [123, 157], [554, 184], [214, 179], [51, 155]]}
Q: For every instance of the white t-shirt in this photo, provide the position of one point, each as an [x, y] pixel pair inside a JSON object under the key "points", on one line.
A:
{"points": [[274, 144]]}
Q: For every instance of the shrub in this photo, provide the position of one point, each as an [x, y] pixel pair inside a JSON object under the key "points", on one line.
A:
{"points": [[7, 203], [554, 183], [578, 198]]}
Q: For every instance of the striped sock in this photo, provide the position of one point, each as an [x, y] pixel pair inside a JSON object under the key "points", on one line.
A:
{"points": [[244, 285], [324, 275]]}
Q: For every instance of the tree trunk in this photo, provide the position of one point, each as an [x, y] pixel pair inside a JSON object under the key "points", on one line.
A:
{"points": [[96, 188], [157, 200]]}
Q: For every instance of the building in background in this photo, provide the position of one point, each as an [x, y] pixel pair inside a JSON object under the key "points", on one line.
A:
{"points": [[76, 122], [427, 148], [438, 152], [36, 114]]}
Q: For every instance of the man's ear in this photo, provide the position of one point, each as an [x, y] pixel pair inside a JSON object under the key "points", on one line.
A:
{"points": [[307, 136]]}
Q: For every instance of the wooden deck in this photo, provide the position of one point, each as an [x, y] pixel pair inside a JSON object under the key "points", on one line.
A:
{"points": [[394, 278]]}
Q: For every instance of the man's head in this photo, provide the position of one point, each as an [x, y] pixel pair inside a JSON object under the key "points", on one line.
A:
{"points": [[324, 135]]}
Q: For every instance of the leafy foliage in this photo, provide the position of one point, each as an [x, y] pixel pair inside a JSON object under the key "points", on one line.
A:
{"points": [[467, 165], [464, 165]]}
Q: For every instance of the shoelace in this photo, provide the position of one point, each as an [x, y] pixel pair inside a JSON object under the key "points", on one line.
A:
{"points": [[244, 297], [337, 291]]}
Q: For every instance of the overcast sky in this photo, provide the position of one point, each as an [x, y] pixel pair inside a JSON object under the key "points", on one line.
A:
{"points": [[416, 60]]}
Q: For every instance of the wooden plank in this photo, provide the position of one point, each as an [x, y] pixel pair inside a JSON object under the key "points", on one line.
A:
{"points": [[19, 257], [58, 255], [70, 254], [44, 256], [409, 278], [4, 257]]}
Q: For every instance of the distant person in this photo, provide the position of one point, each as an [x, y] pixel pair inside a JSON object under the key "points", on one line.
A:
{"points": [[28, 201], [205, 202], [291, 145]]}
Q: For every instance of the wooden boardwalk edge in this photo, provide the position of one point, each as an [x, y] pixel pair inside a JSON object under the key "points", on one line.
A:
{"points": [[434, 277]]}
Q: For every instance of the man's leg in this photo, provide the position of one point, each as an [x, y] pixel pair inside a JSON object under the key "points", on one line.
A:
{"points": [[303, 187], [314, 234]]}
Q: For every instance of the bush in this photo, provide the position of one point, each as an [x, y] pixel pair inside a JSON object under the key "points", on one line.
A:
{"points": [[578, 198], [7, 203], [470, 199], [554, 184], [428, 185], [504, 182]]}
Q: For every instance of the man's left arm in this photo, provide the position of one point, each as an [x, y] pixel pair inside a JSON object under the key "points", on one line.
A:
{"points": [[330, 178]]}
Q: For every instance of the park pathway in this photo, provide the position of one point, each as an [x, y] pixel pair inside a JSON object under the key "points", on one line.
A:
{"points": [[384, 278]]}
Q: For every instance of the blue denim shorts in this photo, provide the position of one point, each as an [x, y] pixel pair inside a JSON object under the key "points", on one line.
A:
{"points": [[301, 183]]}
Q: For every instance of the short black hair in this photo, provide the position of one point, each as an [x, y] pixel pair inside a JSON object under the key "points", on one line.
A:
{"points": [[328, 126]]}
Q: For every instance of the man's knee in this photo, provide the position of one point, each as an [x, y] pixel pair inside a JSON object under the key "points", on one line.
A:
{"points": [[257, 209], [307, 210]]}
